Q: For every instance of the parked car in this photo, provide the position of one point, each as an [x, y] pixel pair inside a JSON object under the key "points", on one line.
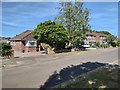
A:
{"points": [[86, 46]]}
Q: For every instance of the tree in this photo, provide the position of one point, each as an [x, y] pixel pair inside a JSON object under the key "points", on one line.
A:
{"points": [[51, 33], [5, 50], [74, 17], [118, 43], [110, 39], [104, 32]]}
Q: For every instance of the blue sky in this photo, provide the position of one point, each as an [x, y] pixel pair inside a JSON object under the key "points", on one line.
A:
{"points": [[20, 16]]}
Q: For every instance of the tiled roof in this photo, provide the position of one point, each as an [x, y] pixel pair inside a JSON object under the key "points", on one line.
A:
{"points": [[95, 33], [26, 35], [91, 33], [102, 34]]}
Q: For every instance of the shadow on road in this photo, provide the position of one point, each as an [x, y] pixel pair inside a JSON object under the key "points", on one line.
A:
{"points": [[70, 72]]}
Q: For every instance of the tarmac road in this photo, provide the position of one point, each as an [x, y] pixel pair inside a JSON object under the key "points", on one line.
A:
{"points": [[34, 74]]}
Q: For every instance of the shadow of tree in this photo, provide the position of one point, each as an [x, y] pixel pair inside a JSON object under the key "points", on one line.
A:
{"points": [[71, 72]]}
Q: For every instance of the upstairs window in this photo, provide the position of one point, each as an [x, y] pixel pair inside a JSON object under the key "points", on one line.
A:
{"points": [[102, 37]]}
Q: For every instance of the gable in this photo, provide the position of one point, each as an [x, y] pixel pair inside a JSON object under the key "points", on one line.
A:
{"points": [[26, 35]]}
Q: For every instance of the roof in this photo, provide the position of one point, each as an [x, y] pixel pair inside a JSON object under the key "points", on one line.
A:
{"points": [[102, 34], [91, 33], [26, 35], [95, 33]]}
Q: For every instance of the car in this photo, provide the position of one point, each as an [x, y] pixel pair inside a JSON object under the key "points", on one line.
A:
{"points": [[86, 46]]}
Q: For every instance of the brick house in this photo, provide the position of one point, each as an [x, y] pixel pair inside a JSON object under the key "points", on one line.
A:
{"points": [[24, 42], [93, 37]]}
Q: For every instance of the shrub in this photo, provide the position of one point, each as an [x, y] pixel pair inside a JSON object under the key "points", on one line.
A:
{"points": [[113, 44], [118, 43], [106, 46], [93, 46], [97, 44], [102, 45], [6, 50]]}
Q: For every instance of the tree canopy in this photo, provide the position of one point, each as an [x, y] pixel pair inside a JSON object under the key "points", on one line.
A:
{"points": [[74, 17], [105, 32], [51, 33], [110, 38]]}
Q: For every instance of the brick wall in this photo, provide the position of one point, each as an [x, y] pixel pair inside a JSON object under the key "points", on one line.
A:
{"points": [[30, 49], [97, 38], [19, 46]]}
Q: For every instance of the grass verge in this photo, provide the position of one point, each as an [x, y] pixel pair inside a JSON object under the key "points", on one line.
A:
{"points": [[105, 77], [4, 64]]}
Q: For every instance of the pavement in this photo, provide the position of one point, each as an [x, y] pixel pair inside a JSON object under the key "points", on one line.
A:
{"points": [[34, 71]]}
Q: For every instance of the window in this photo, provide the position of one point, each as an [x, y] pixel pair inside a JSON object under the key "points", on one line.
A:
{"points": [[88, 36], [13, 43], [93, 37], [31, 43], [102, 37]]}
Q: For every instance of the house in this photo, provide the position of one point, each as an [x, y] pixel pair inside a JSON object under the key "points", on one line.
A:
{"points": [[94, 37], [4, 40], [24, 42]]}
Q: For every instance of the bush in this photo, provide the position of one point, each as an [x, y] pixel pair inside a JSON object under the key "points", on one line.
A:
{"points": [[113, 44], [100, 45], [97, 44], [118, 43], [94, 46], [106, 46], [6, 50]]}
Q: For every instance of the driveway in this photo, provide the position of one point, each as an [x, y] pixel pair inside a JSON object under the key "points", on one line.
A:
{"points": [[34, 74]]}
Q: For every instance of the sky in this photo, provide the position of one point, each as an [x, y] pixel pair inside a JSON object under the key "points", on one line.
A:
{"points": [[20, 16]]}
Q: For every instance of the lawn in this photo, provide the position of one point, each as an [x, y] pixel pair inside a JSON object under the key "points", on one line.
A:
{"points": [[106, 77], [4, 64]]}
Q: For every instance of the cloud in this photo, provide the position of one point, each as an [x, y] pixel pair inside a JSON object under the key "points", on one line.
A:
{"points": [[18, 16], [26, 13], [29, 9], [10, 24]]}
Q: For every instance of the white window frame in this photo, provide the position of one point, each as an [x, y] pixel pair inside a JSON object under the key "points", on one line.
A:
{"points": [[13, 43], [28, 44]]}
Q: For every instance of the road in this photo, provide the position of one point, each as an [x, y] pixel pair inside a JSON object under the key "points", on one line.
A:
{"points": [[35, 74]]}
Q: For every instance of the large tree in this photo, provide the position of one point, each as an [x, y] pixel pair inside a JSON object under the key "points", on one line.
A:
{"points": [[110, 38], [75, 18], [51, 33]]}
